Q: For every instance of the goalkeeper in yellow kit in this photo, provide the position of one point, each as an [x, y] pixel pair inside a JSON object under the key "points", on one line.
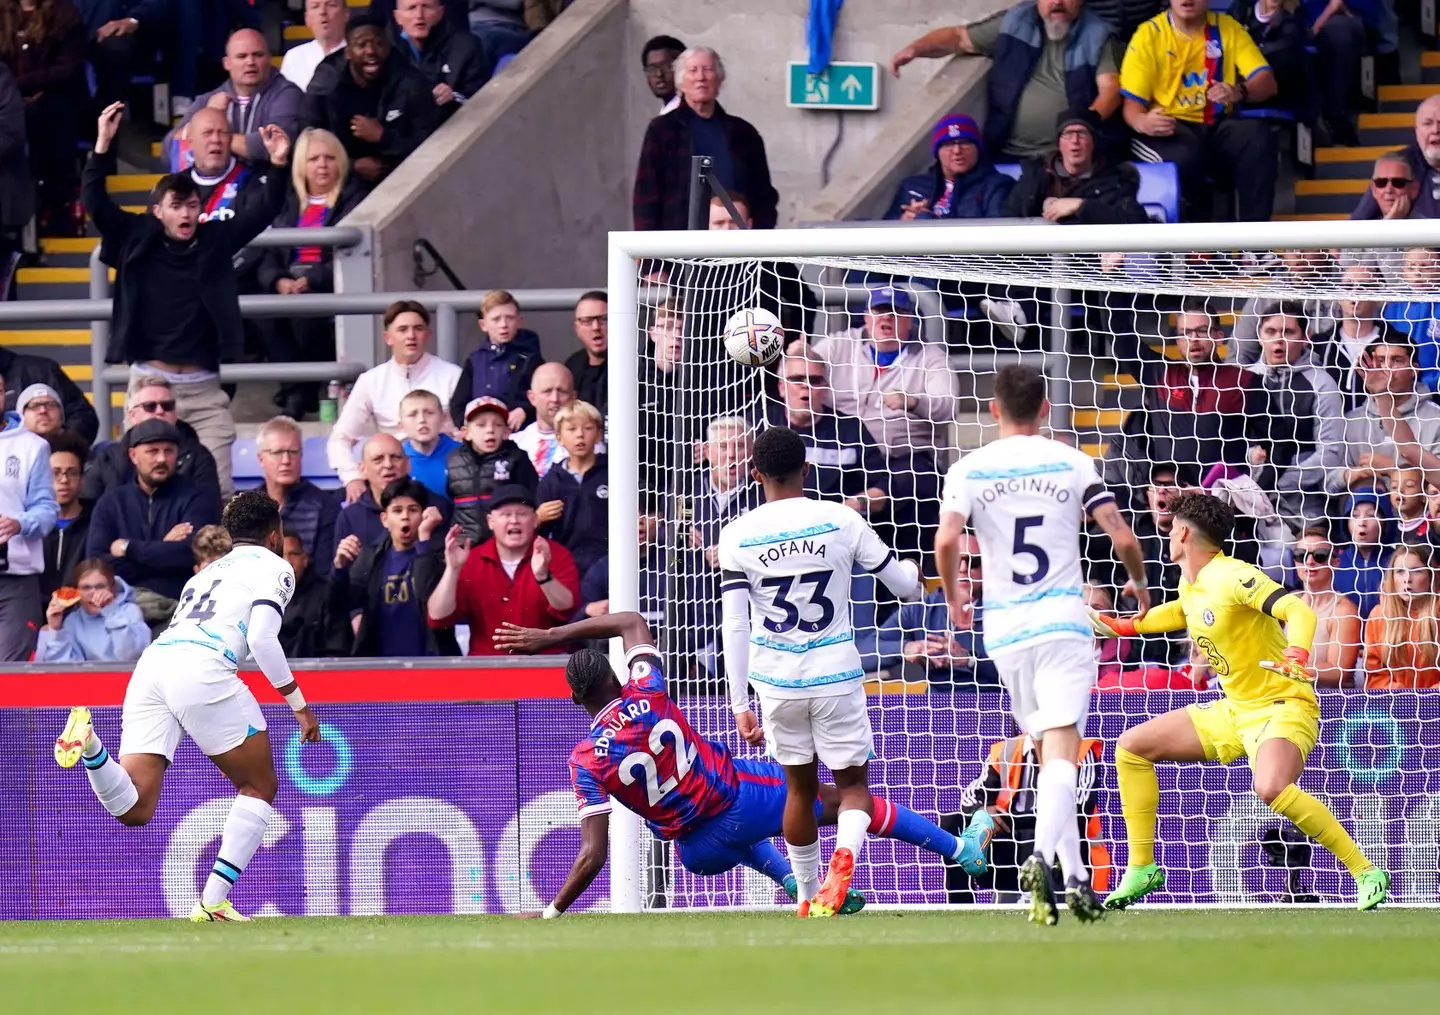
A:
{"points": [[1268, 714]]}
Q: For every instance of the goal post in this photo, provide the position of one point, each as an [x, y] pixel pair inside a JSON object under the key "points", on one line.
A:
{"points": [[1104, 285]]}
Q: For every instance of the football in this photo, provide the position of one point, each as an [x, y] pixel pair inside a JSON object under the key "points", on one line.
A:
{"points": [[754, 337]]}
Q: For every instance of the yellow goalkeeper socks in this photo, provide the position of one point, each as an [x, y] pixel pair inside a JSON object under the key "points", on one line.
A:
{"points": [[1139, 800], [1315, 820]]}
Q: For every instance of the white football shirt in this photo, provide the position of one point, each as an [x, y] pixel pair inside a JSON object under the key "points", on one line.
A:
{"points": [[214, 610], [1026, 498], [795, 556]]}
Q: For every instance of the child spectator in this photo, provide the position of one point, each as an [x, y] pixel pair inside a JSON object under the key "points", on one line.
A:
{"points": [[211, 543], [105, 626], [1407, 497], [488, 460], [311, 629], [65, 544], [574, 504], [1402, 634], [426, 444], [383, 587], [502, 367], [1361, 565]]}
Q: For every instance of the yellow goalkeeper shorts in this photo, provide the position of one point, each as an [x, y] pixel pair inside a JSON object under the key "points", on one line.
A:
{"points": [[1229, 730]]}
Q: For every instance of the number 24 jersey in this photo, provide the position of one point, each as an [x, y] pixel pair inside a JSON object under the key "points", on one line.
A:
{"points": [[641, 751]]}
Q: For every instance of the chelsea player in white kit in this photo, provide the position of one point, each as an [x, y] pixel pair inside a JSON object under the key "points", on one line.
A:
{"points": [[1027, 498], [785, 582], [186, 681]]}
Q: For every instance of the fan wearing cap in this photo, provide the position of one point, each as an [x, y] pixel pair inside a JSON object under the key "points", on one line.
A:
{"points": [[962, 184], [1077, 184], [23, 371], [144, 527], [514, 577], [40, 410], [487, 460]]}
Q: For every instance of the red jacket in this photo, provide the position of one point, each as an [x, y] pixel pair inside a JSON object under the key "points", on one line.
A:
{"points": [[487, 596]]}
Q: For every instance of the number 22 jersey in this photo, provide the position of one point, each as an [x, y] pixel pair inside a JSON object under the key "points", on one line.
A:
{"points": [[641, 751], [1026, 498]]}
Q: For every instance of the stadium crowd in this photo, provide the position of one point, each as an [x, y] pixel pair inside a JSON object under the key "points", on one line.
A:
{"points": [[476, 493]]}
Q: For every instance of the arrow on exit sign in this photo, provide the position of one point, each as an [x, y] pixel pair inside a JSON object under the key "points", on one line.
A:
{"points": [[839, 86]]}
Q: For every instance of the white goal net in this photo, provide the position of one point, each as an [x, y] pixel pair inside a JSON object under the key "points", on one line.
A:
{"points": [[1296, 379]]}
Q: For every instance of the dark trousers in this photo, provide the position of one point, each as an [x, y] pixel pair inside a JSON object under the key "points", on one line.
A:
{"points": [[1340, 45], [20, 613], [52, 126], [1234, 153]]}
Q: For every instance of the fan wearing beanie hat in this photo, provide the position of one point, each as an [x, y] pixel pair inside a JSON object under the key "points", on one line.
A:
{"points": [[961, 184], [1076, 183]]}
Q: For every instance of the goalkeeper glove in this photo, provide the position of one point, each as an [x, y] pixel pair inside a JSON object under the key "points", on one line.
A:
{"points": [[1111, 627], [1294, 665]]}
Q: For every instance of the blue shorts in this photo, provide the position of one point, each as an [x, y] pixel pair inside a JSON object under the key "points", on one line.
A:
{"points": [[756, 815]]}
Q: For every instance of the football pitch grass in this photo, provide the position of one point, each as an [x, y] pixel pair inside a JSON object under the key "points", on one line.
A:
{"points": [[1167, 962]]}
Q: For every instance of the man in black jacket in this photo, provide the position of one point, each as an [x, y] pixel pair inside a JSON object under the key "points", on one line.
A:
{"points": [[368, 97], [65, 545], [451, 60], [177, 304], [311, 630], [21, 370], [1074, 185], [150, 397]]}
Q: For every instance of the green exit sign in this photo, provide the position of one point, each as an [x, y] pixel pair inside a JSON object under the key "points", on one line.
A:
{"points": [[839, 86]]}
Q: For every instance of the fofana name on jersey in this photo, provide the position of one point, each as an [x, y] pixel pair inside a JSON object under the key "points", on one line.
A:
{"points": [[794, 548]]}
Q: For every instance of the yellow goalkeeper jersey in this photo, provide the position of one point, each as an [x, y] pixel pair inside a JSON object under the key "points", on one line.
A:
{"points": [[1234, 612]]}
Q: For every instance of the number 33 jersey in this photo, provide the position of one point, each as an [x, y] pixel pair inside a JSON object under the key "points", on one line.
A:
{"points": [[1026, 498], [213, 615], [641, 751]]}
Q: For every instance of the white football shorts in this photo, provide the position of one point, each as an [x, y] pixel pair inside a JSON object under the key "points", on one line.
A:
{"points": [[1050, 684], [174, 690], [835, 728]]}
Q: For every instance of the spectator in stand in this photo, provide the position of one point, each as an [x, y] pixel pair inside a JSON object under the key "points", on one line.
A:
{"points": [[846, 463], [150, 396], [65, 544], [551, 389], [960, 185], [659, 400], [450, 59], [323, 193], [209, 544], [905, 393], [40, 411], [43, 44], [370, 98], [118, 31], [539, 14], [1418, 270], [1077, 184], [919, 643], [700, 126], [1278, 29], [374, 402], [382, 461], [203, 148], [574, 496], [105, 626], [500, 26], [24, 371], [1360, 567], [144, 528], [255, 95], [1048, 56], [513, 577], [17, 188], [177, 305], [1411, 507], [1179, 97], [1295, 412], [326, 21], [457, 14], [587, 364], [1340, 40], [307, 511], [657, 59], [504, 364], [311, 629], [727, 493], [1162, 575], [1394, 189], [27, 516], [1337, 619], [426, 444], [777, 286], [382, 587], [1423, 158], [1309, 269], [1402, 632], [487, 461]]}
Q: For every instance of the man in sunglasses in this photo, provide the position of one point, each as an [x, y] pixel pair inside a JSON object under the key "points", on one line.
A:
{"points": [[1393, 190], [149, 397], [1419, 162]]}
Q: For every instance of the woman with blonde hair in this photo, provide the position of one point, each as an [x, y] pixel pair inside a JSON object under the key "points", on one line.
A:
{"points": [[1402, 635], [324, 193], [1337, 618]]}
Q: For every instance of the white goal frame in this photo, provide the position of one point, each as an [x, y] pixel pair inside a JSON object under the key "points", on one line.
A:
{"points": [[627, 249]]}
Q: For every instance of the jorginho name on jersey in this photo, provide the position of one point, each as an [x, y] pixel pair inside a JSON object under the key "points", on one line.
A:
{"points": [[795, 557], [642, 751], [1026, 497], [214, 609]]}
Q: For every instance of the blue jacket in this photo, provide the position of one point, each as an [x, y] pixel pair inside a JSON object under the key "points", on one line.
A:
{"points": [[150, 562], [1017, 51], [310, 514], [117, 635], [501, 371], [978, 194], [1421, 321], [883, 647], [430, 470], [584, 526]]}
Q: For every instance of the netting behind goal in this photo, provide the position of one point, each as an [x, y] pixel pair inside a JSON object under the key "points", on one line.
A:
{"points": [[1253, 375]]}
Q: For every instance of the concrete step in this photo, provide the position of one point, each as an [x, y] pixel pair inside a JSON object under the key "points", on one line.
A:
{"points": [[1430, 67], [1328, 216], [1397, 129], [1332, 196], [1348, 163], [1404, 98]]}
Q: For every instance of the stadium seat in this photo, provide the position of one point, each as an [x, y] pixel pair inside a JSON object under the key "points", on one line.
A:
{"points": [[1159, 187], [245, 462], [315, 465]]}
